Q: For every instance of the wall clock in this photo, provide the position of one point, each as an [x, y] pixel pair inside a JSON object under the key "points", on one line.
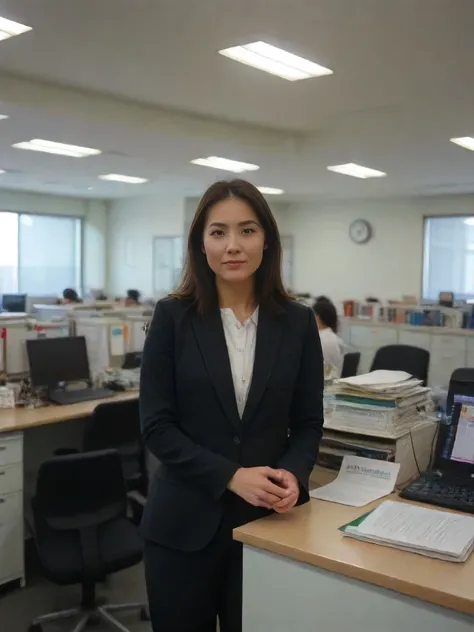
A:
{"points": [[360, 231]]}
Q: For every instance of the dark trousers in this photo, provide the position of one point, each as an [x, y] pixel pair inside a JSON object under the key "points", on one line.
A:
{"points": [[188, 592]]}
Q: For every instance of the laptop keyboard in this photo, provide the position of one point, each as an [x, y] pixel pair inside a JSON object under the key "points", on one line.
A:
{"points": [[441, 492]]}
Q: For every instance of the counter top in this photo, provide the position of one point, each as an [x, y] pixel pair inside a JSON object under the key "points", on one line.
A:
{"points": [[15, 419], [310, 534]]}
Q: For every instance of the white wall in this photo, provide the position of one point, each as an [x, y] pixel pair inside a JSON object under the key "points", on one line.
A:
{"points": [[94, 214], [131, 226], [388, 266]]}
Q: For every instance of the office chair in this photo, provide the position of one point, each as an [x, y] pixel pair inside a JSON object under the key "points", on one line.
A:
{"points": [[413, 360], [132, 360], [82, 534], [461, 382], [350, 364], [117, 425]]}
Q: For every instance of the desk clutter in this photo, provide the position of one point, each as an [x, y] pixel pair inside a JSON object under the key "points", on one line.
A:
{"points": [[381, 403], [431, 532]]}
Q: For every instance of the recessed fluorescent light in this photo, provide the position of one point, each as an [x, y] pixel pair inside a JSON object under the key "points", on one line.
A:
{"points": [[224, 164], [115, 177], [270, 191], [469, 221], [3, 117], [2, 171], [275, 61], [357, 171], [465, 141], [50, 147], [8, 28]]}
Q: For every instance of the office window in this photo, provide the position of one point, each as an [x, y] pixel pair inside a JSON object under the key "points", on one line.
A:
{"points": [[448, 257], [39, 254], [167, 264]]}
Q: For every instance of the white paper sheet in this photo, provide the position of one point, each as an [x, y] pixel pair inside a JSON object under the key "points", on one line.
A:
{"points": [[360, 481], [420, 527], [117, 340]]}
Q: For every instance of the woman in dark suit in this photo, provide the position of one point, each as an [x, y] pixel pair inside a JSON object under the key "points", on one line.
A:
{"points": [[231, 405]]}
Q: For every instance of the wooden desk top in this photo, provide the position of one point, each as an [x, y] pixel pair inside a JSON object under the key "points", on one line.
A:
{"points": [[14, 419], [310, 534]]}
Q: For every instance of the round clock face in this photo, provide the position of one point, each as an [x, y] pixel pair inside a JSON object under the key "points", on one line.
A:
{"points": [[360, 231]]}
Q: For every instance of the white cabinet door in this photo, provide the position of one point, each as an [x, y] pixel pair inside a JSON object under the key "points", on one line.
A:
{"points": [[448, 352], [366, 357], [415, 339], [365, 337]]}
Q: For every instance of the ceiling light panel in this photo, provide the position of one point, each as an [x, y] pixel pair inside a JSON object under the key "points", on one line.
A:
{"points": [[2, 171], [8, 28], [357, 171], [465, 141], [469, 221], [225, 164], [3, 117], [115, 177], [275, 61], [270, 191], [50, 147]]}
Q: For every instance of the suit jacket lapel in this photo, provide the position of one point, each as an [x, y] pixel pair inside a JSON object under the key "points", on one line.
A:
{"points": [[268, 341], [212, 345]]}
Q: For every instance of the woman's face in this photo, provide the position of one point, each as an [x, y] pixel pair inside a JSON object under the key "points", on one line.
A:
{"points": [[233, 240]]}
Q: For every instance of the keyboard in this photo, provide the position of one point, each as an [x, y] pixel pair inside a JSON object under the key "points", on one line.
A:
{"points": [[435, 490], [80, 395]]}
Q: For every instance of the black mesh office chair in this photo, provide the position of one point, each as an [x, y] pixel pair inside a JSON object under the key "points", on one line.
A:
{"points": [[82, 534], [413, 360], [350, 364], [117, 425]]}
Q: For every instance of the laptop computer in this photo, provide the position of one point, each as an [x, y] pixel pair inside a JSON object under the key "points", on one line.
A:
{"points": [[451, 481]]}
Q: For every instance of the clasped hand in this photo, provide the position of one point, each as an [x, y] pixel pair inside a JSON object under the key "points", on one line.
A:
{"points": [[266, 487]]}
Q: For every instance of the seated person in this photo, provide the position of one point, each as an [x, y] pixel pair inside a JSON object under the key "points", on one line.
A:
{"points": [[133, 298], [333, 346], [71, 296]]}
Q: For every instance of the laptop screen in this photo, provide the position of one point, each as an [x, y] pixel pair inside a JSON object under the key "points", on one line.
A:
{"points": [[458, 441]]}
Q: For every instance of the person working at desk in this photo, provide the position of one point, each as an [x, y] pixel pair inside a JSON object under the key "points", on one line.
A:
{"points": [[231, 405], [133, 298], [333, 346], [71, 296]]}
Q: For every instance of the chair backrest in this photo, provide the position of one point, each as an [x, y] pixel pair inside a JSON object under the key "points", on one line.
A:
{"points": [[80, 490], [117, 425], [114, 425], [133, 360], [413, 360], [350, 364], [460, 383]]}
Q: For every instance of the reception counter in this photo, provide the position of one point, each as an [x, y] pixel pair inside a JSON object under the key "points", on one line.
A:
{"points": [[301, 575]]}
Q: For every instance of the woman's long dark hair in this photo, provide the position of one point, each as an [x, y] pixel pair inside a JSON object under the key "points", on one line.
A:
{"points": [[198, 284]]}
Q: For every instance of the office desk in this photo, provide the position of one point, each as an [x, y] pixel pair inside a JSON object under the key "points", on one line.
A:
{"points": [[300, 574], [15, 419], [16, 483]]}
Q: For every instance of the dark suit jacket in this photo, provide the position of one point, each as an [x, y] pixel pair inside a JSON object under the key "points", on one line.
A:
{"points": [[191, 424]]}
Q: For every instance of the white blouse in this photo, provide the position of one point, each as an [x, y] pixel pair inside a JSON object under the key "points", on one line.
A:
{"points": [[333, 350], [240, 339]]}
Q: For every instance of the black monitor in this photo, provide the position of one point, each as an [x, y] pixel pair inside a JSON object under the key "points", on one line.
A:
{"points": [[56, 360], [14, 302], [455, 450]]}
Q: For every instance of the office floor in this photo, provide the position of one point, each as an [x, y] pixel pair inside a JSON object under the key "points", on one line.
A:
{"points": [[19, 606]]}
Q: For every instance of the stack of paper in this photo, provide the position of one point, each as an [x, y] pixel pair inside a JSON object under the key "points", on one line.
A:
{"points": [[360, 481], [381, 403], [441, 534]]}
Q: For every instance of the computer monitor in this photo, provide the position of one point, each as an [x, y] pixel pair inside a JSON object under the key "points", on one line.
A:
{"points": [[14, 302], [455, 452], [56, 360]]}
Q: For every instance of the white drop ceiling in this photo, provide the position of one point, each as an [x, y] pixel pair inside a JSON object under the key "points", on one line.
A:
{"points": [[142, 81]]}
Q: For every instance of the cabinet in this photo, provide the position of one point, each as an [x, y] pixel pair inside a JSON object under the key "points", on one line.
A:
{"points": [[449, 349], [11, 508]]}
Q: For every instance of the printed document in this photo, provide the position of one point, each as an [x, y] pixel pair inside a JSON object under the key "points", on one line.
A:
{"points": [[360, 481]]}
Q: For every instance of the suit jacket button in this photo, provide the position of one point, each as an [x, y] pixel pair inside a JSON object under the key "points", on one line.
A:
{"points": [[236, 440]]}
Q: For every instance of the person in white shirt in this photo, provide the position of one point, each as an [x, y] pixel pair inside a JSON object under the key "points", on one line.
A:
{"points": [[333, 346]]}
